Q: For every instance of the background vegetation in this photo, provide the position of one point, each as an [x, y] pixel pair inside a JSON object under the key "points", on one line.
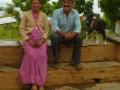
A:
{"points": [[110, 8]]}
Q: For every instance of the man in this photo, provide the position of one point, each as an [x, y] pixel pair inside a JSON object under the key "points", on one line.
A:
{"points": [[66, 30]]}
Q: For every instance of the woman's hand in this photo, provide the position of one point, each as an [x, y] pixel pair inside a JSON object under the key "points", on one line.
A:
{"points": [[31, 42], [40, 42]]}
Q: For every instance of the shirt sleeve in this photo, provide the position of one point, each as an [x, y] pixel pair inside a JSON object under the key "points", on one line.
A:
{"points": [[77, 23], [22, 28], [54, 20], [46, 27]]}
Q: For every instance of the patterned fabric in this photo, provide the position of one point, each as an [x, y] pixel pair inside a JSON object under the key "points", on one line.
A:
{"points": [[33, 68]]}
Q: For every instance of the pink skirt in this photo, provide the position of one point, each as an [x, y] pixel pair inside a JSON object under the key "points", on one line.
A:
{"points": [[33, 69]]}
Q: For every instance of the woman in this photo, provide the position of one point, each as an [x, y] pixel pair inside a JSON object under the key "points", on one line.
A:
{"points": [[34, 32]]}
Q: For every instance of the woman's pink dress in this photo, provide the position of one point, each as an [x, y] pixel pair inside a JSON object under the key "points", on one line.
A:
{"points": [[33, 68]]}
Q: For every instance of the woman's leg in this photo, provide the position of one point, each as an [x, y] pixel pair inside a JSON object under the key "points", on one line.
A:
{"points": [[41, 88]]}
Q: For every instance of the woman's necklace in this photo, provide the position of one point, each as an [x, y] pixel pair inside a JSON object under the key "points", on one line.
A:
{"points": [[36, 15]]}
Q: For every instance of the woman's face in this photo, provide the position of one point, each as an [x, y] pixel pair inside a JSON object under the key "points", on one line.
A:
{"points": [[36, 5]]}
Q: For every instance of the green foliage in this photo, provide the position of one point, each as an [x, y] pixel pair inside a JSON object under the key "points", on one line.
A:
{"points": [[9, 31], [84, 6], [49, 8], [88, 7], [79, 5], [111, 9], [24, 5], [1, 8]]}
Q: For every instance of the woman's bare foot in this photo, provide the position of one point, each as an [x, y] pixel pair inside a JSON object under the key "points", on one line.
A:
{"points": [[34, 87], [41, 88]]}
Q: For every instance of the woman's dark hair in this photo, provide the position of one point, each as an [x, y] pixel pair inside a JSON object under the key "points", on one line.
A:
{"points": [[38, 0], [69, 0]]}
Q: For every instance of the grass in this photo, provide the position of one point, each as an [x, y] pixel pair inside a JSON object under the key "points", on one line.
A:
{"points": [[9, 32]]}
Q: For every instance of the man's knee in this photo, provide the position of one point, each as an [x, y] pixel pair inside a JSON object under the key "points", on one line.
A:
{"points": [[55, 37], [78, 38]]}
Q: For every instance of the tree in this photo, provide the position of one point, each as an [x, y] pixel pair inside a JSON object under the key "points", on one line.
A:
{"points": [[19, 6], [1, 8], [111, 9], [79, 5], [84, 6], [49, 8], [88, 9]]}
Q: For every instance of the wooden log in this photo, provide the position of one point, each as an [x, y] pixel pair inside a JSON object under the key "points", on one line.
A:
{"points": [[12, 55], [65, 76]]}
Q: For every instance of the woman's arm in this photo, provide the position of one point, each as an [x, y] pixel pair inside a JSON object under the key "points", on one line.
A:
{"points": [[22, 28], [46, 27]]}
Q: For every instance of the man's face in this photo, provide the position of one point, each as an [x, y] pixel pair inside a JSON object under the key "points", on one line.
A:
{"points": [[67, 5]]}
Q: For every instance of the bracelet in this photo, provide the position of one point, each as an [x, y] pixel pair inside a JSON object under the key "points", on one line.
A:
{"points": [[43, 39]]}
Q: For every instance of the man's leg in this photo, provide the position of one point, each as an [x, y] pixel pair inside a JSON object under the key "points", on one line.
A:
{"points": [[102, 32], [55, 43], [77, 44]]}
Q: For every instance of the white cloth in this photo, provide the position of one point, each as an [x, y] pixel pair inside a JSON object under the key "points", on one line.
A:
{"points": [[117, 28]]}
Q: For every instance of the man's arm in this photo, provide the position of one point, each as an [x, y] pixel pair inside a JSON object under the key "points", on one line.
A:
{"points": [[77, 28], [54, 20]]}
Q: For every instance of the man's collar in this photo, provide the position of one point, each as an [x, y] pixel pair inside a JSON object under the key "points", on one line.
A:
{"points": [[61, 11]]}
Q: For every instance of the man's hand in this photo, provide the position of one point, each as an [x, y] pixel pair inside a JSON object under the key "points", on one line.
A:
{"points": [[61, 33], [67, 35], [70, 35], [31, 42]]}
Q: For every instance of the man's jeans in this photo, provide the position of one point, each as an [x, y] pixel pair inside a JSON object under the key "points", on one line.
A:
{"points": [[56, 40]]}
